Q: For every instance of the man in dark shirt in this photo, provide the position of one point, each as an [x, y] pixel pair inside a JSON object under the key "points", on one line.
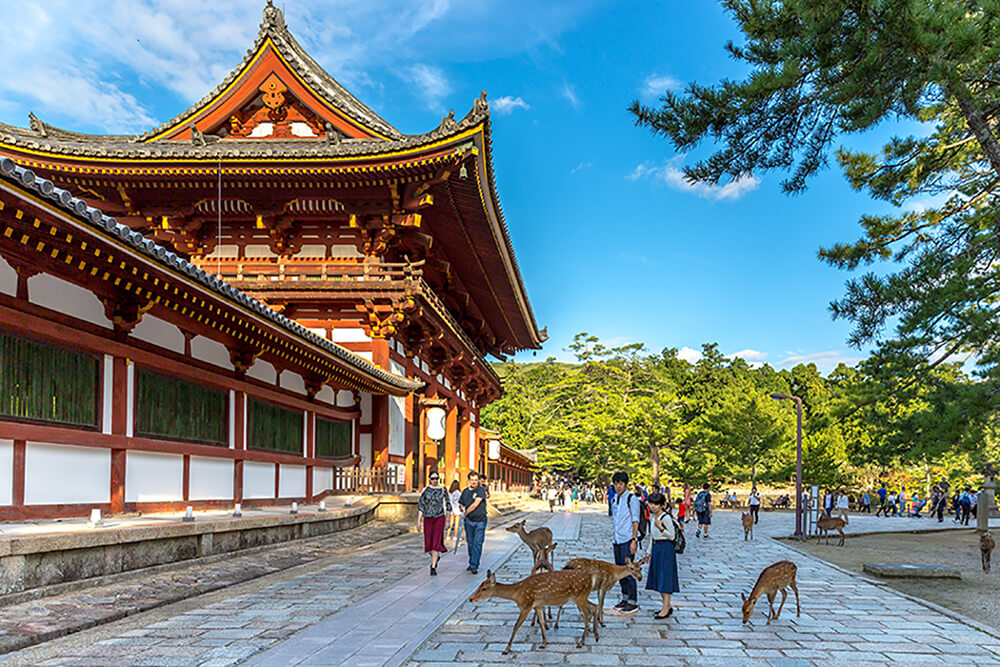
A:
{"points": [[473, 499]]}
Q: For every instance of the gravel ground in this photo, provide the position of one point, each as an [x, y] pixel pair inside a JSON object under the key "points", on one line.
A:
{"points": [[974, 595]]}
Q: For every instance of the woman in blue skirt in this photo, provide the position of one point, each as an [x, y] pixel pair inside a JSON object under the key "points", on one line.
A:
{"points": [[662, 576]]}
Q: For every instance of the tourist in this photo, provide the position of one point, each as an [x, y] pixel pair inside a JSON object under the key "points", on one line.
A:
{"points": [[843, 504], [937, 503], [902, 500], [551, 493], [754, 504], [455, 524], [576, 498], [882, 495], [433, 509], [703, 508], [473, 501], [567, 498], [682, 509], [975, 502], [965, 505], [734, 501], [890, 503], [611, 497], [866, 503], [625, 537], [662, 576], [828, 502]]}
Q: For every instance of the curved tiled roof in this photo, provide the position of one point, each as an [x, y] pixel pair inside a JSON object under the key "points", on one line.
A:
{"points": [[108, 226]]}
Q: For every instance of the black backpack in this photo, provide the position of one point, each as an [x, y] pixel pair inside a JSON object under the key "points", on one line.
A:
{"points": [[643, 516], [679, 542]]}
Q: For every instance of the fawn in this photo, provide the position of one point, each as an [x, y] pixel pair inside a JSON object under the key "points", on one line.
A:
{"points": [[747, 520], [986, 545], [827, 523], [774, 578], [604, 576], [541, 590], [535, 539]]}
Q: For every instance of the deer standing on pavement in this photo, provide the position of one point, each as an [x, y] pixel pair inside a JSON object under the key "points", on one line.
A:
{"points": [[543, 564], [986, 545], [826, 523], [535, 539], [604, 576], [542, 590], [747, 520], [774, 578]]}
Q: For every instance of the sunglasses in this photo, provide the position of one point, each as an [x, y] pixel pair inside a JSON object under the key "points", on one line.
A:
{"points": [[435, 478]]}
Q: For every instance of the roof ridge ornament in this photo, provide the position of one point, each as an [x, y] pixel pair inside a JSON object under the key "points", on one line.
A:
{"points": [[37, 125], [272, 17]]}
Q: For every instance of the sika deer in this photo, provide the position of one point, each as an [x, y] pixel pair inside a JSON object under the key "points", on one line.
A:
{"points": [[747, 520], [774, 578], [541, 590], [827, 523], [604, 576], [536, 539], [986, 545], [543, 564]]}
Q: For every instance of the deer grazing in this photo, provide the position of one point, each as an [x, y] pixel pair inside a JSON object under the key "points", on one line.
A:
{"points": [[747, 520], [986, 546], [604, 576], [774, 578], [826, 524], [535, 539], [543, 590]]}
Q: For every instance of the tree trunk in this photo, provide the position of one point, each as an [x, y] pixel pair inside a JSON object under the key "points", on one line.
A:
{"points": [[977, 123], [654, 456]]}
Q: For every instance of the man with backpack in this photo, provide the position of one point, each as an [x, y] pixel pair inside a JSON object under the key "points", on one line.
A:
{"points": [[626, 513], [703, 508]]}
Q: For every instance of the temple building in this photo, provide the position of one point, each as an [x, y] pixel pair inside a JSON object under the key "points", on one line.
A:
{"points": [[273, 285]]}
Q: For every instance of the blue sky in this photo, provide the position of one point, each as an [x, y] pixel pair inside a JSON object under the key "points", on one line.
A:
{"points": [[609, 238]]}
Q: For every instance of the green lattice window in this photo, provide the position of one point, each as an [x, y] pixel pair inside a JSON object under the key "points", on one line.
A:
{"points": [[273, 427], [49, 383], [333, 439], [167, 407]]}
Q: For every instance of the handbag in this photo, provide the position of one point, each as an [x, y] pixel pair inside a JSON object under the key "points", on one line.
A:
{"points": [[679, 542]]}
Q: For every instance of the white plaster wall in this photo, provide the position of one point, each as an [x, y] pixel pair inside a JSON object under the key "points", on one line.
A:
{"points": [[292, 482], [293, 382], [312, 250], [8, 278], [232, 419], [364, 354], [396, 368], [6, 472], [212, 479], [366, 409], [348, 335], [64, 474], [263, 371], [252, 251], [472, 447], [326, 395], [345, 398], [258, 480], [64, 297], [156, 331], [319, 332], [365, 443], [107, 387], [344, 251], [210, 351], [224, 251], [151, 477], [130, 400], [322, 480], [397, 425]]}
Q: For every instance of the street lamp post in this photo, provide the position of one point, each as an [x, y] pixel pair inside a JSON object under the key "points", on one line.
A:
{"points": [[798, 460]]}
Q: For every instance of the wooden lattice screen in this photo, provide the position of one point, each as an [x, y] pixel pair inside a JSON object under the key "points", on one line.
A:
{"points": [[48, 383], [333, 439], [273, 427], [168, 407]]}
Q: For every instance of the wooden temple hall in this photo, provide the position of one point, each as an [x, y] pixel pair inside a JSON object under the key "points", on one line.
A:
{"points": [[240, 304]]}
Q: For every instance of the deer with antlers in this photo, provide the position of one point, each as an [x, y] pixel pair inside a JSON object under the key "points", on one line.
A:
{"points": [[536, 539], [986, 546], [826, 524], [604, 576], [774, 578], [543, 590], [747, 520]]}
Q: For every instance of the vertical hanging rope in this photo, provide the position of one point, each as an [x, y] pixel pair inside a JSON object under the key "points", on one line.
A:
{"points": [[218, 240]]}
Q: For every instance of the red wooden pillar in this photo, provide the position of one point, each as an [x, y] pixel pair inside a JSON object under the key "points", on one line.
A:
{"points": [[18, 481], [464, 433], [119, 426], [310, 452], [450, 442], [380, 408], [408, 435], [186, 485]]}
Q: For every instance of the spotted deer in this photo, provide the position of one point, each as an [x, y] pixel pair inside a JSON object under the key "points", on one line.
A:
{"points": [[604, 576], [774, 578], [986, 546], [542, 590], [543, 563], [747, 520], [826, 524], [535, 539]]}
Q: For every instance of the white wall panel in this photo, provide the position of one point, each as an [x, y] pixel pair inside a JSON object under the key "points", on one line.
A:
{"points": [[64, 297], [258, 480], [6, 472], [365, 443], [212, 479], [292, 482], [8, 278], [63, 474], [345, 398], [107, 393], [326, 395], [322, 480], [157, 332], [210, 351], [348, 335], [293, 382], [153, 478], [472, 447], [344, 251], [397, 425], [263, 371]]}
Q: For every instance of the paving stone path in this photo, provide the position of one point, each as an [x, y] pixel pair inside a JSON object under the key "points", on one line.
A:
{"points": [[844, 619]]}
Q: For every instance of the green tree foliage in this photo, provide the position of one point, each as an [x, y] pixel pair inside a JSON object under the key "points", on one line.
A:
{"points": [[822, 69]]}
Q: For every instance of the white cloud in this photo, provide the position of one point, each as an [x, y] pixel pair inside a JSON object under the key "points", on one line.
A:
{"points": [[568, 92], [673, 177], [431, 83], [506, 105], [688, 354], [749, 355], [825, 361], [581, 166], [655, 85]]}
